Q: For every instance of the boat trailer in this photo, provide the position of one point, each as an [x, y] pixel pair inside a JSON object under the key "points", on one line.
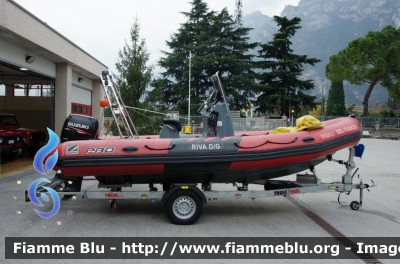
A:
{"points": [[184, 202]]}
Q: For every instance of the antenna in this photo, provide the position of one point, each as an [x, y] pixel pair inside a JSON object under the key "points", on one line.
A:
{"points": [[238, 13]]}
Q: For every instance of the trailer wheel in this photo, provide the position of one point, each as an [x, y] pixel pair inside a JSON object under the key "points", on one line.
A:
{"points": [[354, 205], [184, 207]]}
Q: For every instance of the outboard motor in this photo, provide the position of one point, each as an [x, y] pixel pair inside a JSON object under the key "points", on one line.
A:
{"points": [[79, 127]]}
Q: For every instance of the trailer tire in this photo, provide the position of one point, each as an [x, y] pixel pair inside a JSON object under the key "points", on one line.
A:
{"points": [[184, 207], [354, 205]]}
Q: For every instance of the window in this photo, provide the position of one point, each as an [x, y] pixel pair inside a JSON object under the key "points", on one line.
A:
{"points": [[19, 90], [33, 90], [47, 90], [2, 90], [9, 120], [81, 109]]}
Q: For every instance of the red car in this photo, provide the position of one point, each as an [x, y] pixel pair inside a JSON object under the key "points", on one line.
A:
{"points": [[10, 145], [32, 139]]}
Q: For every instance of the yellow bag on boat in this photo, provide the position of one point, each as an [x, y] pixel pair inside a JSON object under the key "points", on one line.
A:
{"points": [[302, 123], [308, 122], [280, 130]]}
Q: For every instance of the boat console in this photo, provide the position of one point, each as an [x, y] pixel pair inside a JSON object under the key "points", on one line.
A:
{"points": [[217, 120], [215, 111]]}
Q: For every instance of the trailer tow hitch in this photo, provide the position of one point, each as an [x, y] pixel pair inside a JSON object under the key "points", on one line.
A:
{"points": [[347, 179]]}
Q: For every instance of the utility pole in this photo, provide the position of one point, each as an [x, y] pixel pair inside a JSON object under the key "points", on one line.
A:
{"points": [[323, 98], [290, 110], [190, 68]]}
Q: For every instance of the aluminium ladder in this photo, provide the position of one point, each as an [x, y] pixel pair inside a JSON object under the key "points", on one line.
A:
{"points": [[124, 123]]}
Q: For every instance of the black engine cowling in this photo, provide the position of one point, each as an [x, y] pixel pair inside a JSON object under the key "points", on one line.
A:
{"points": [[79, 127]]}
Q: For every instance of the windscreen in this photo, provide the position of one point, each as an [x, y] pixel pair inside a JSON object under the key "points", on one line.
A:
{"points": [[9, 120]]}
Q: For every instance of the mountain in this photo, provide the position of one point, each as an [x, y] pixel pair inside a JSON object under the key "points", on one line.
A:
{"points": [[327, 27]]}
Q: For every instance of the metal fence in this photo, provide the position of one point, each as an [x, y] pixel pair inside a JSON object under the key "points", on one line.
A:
{"points": [[261, 123], [239, 124], [372, 124]]}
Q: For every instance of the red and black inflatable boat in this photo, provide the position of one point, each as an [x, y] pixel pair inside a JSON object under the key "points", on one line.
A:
{"points": [[218, 155], [180, 162], [237, 158]]}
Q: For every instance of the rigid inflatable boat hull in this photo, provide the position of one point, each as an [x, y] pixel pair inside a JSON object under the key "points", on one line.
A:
{"points": [[249, 158]]}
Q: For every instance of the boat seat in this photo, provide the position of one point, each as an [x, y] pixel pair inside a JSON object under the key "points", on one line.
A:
{"points": [[174, 122], [170, 129]]}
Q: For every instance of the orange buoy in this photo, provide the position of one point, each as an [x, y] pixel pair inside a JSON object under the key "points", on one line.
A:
{"points": [[104, 103]]}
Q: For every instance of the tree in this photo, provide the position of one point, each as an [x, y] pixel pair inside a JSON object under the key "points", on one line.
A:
{"points": [[317, 111], [351, 109], [216, 45], [372, 59], [133, 72], [229, 54], [336, 103], [189, 38], [392, 104], [134, 75], [284, 68]]}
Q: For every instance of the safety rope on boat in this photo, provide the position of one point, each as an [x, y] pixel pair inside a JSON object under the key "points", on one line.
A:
{"points": [[266, 142]]}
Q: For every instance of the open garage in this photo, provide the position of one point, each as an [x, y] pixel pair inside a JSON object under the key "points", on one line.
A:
{"points": [[44, 77]]}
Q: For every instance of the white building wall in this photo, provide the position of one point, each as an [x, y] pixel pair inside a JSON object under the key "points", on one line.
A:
{"points": [[81, 96], [97, 95], [63, 57], [16, 56], [28, 28], [62, 95], [86, 83], [81, 91]]}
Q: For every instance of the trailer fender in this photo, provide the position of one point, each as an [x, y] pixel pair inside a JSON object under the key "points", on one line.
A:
{"points": [[190, 187]]}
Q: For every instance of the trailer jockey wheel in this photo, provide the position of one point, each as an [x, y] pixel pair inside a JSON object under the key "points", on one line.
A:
{"points": [[184, 207], [354, 205]]}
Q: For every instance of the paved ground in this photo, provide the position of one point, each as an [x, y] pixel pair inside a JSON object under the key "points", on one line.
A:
{"points": [[20, 165], [270, 217]]}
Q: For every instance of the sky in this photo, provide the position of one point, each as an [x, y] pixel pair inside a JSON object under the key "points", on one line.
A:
{"points": [[101, 27]]}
